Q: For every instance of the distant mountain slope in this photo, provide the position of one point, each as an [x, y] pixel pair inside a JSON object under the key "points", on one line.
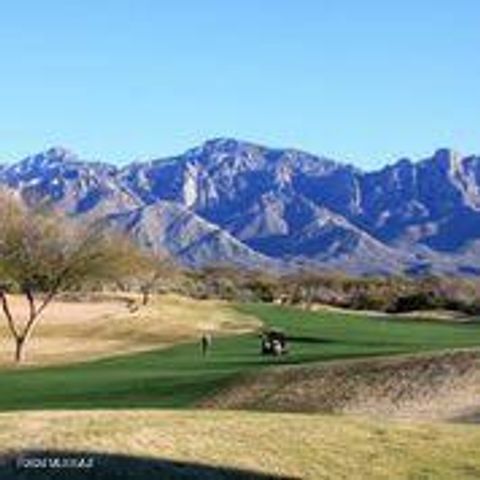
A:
{"points": [[58, 178], [287, 225], [435, 202], [171, 228], [267, 206]]}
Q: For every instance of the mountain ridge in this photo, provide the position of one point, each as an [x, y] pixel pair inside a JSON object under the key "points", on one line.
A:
{"points": [[276, 206], [63, 152]]}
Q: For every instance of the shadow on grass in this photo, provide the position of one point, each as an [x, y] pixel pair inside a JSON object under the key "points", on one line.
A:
{"points": [[311, 340], [65, 465]]}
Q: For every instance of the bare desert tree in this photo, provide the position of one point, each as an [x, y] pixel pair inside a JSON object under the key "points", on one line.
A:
{"points": [[155, 269], [42, 255]]}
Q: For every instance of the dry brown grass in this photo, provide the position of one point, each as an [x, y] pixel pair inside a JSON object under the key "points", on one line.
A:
{"points": [[435, 386], [298, 445], [72, 331]]}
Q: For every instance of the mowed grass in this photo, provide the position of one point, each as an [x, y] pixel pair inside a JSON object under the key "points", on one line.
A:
{"points": [[179, 377], [326, 335], [210, 444]]}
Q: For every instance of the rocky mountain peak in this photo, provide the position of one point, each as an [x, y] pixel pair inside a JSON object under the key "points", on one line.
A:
{"points": [[60, 153], [446, 155]]}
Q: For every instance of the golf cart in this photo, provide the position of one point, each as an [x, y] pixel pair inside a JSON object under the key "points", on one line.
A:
{"points": [[273, 342]]}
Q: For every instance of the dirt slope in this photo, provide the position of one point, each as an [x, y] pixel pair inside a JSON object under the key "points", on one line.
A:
{"points": [[433, 386]]}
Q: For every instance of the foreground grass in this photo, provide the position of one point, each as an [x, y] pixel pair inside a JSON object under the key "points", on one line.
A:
{"points": [[179, 377], [294, 445]]}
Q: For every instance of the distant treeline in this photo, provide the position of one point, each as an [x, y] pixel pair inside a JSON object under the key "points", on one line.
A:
{"points": [[394, 294], [305, 289]]}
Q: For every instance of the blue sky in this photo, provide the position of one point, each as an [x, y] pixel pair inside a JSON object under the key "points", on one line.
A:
{"points": [[361, 81]]}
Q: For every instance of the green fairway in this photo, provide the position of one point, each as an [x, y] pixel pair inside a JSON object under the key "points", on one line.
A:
{"points": [[180, 377]]}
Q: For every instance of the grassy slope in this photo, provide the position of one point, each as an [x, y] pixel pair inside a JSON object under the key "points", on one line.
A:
{"points": [[297, 445], [180, 377], [79, 331]]}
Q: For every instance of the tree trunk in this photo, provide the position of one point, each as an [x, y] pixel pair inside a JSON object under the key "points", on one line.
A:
{"points": [[19, 344]]}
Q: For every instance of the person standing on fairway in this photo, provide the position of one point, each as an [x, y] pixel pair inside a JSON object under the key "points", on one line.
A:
{"points": [[206, 343]]}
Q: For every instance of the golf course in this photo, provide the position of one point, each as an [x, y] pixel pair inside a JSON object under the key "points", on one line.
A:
{"points": [[179, 377], [151, 393]]}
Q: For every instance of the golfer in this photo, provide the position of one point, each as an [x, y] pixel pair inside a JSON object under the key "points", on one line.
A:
{"points": [[206, 343]]}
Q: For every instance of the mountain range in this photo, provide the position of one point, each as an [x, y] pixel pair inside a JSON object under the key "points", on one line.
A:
{"points": [[234, 202]]}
